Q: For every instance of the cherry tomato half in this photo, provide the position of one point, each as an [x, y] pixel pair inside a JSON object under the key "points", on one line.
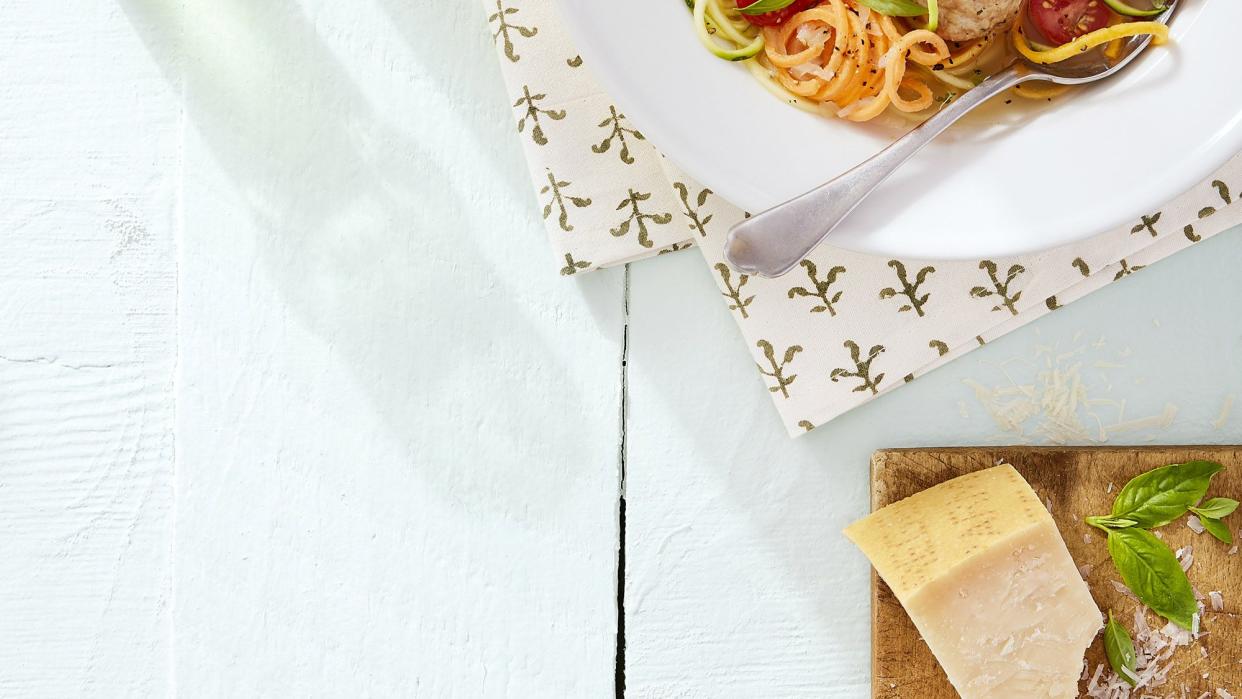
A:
{"points": [[768, 19], [1062, 21]]}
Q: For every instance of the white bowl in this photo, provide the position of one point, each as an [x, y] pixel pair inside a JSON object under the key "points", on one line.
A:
{"points": [[1020, 179]]}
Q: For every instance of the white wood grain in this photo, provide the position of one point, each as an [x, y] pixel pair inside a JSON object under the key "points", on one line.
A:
{"points": [[89, 133], [738, 582], [398, 427]]}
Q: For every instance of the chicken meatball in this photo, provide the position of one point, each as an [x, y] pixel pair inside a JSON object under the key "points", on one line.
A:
{"points": [[963, 20]]}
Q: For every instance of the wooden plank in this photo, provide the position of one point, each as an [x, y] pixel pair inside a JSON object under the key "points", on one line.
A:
{"points": [[89, 134], [1076, 483], [399, 426], [738, 583]]}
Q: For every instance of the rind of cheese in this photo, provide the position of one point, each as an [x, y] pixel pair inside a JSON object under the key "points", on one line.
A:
{"points": [[984, 574], [912, 541]]}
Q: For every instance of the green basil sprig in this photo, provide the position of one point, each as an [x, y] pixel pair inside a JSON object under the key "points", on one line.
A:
{"points": [[1120, 650], [1152, 573], [1147, 565], [1162, 495], [764, 6]]}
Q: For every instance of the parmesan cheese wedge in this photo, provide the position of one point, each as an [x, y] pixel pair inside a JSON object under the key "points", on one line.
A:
{"points": [[980, 567]]}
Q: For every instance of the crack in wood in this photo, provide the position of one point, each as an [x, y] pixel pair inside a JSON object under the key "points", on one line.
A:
{"points": [[619, 681], [54, 361]]}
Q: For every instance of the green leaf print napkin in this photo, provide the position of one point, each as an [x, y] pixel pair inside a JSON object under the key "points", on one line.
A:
{"points": [[841, 328]]}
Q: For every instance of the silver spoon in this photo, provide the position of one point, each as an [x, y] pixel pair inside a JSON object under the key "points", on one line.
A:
{"points": [[772, 242]]}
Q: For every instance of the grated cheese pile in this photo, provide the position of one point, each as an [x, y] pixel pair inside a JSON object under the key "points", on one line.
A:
{"points": [[1060, 403], [1154, 650]]}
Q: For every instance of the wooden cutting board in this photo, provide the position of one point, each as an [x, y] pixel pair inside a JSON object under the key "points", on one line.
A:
{"points": [[1076, 481]]}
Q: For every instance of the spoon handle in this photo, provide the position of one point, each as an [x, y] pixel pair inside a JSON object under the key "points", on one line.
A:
{"points": [[772, 242]]}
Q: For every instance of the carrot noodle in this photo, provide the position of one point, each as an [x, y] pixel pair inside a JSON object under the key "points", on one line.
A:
{"points": [[861, 64]]}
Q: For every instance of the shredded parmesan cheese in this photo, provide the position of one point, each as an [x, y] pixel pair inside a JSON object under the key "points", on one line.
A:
{"points": [[1218, 601], [1055, 402], [855, 106], [1120, 587], [802, 70], [813, 35], [1195, 525], [1223, 418], [1185, 556], [1154, 651]]}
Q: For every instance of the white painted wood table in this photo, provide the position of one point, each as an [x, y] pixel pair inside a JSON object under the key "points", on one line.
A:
{"points": [[293, 402]]}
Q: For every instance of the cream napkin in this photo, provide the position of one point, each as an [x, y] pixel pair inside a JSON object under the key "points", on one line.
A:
{"points": [[843, 327]]}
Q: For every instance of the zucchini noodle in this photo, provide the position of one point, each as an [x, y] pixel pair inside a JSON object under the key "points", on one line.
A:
{"points": [[933, 15], [1159, 35], [968, 54], [711, 21], [963, 57]]}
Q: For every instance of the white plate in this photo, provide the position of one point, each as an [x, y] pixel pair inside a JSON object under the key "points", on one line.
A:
{"points": [[1086, 164]]}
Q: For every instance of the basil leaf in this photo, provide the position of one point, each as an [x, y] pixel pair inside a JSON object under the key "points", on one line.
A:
{"points": [[1120, 650], [1152, 573], [1158, 497], [760, 7], [1216, 508], [896, 8], [1217, 528]]}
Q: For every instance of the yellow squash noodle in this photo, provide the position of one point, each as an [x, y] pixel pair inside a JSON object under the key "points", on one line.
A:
{"points": [[853, 58], [1159, 34]]}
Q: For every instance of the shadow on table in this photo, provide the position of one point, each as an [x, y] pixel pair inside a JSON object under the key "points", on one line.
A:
{"points": [[376, 234]]}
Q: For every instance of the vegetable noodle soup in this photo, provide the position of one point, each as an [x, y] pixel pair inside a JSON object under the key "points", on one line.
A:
{"points": [[859, 59]]}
